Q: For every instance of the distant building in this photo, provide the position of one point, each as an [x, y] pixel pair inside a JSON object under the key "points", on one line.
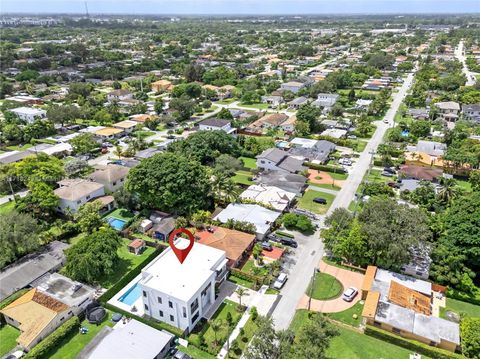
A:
{"points": [[119, 95], [161, 85], [472, 112], [29, 114], [275, 197], [293, 86], [214, 124], [326, 100], [111, 176]]}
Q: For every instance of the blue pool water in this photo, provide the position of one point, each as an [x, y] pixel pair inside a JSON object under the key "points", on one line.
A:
{"points": [[116, 223], [131, 295], [405, 133]]}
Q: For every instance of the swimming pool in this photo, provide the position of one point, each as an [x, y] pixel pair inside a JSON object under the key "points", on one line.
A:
{"points": [[131, 295], [116, 223]]}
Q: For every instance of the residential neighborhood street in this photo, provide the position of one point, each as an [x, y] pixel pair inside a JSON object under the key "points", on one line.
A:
{"points": [[460, 55], [306, 258]]}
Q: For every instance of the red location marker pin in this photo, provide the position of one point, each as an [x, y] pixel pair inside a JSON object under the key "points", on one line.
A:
{"points": [[181, 253]]}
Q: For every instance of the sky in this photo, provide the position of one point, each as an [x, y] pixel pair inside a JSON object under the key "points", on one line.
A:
{"points": [[241, 7]]}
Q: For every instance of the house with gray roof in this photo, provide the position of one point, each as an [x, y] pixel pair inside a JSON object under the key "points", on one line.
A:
{"points": [[326, 100], [297, 102], [318, 153], [274, 159], [287, 181], [472, 112], [215, 124]]}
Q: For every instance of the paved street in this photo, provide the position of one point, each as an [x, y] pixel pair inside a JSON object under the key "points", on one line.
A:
{"points": [[460, 55], [307, 256]]}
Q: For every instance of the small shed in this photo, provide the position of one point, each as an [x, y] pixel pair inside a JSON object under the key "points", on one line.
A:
{"points": [[145, 225], [137, 246]]}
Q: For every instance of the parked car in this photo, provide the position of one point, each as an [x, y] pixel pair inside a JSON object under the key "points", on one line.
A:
{"points": [[16, 355], [171, 137], [349, 294], [390, 169], [387, 174], [266, 246], [320, 200], [181, 355], [385, 121], [345, 161], [352, 137], [288, 242], [393, 185], [280, 282]]}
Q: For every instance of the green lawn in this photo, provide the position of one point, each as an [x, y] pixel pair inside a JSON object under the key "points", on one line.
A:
{"points": [[19, 148], [240, 281], [127, 262], [221, 335], [7, 207], [360, 145], [325, 287], [243, 177], [250, 268], [325, 185], [226, 101], [71, 346], [121, 213], [8, 338], [249, 330], [143, 134], [459, 307], [248, 162], [258, 106], [306, 202], [338, 176], [196, 353], [465, 185], [353, 345], [347, 315]]}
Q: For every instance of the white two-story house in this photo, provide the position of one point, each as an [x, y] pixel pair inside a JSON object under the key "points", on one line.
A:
{"points": [[181, 293], [75, 193]]}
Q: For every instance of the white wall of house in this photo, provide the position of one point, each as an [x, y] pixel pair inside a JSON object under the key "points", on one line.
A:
{"points": [[265, 164], [225, 128], [75, 205], [173, 311]]}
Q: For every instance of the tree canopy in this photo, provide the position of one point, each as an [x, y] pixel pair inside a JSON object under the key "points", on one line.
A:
{"points": [[171, 183]]}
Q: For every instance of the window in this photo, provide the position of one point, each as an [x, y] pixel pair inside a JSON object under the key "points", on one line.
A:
{"points": [[377, 324], [114, 183], [88, 197], [122, 179], [194, 318], [62, 318], [172, 318], [144, 293], [184, 312], [78, 202], [159, 300], [262, 161], [146, 306], [161, 313], [396, 330], [170, 304], [194, 305]]}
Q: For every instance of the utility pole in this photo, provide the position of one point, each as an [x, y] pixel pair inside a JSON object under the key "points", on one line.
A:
{"points": [[312, 284]]}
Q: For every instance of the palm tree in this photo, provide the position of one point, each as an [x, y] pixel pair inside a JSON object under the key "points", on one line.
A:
{"points": [[449, 190], [241, 292], [216, 325], [118, 151], [224, 190]]}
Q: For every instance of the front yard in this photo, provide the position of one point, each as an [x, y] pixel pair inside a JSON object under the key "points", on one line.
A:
{"points": [[8, 339], [461, 308], [243, 177], [306, 202], [347, 315], [325, 287], [209, 335]]}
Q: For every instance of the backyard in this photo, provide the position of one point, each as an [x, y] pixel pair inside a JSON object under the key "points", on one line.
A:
{"points": [[8, 337], [71, 346], [306, 202], [128, 261], [250, 163], [351, 344], [243, 177], [7, 207], [461, 308], [325, 287]]}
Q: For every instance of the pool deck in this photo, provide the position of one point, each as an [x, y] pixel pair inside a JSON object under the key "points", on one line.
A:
{"points": [[115, 301]]}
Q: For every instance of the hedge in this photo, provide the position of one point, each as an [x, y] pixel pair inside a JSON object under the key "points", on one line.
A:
{"points": [[470, 333], [127, 278], [285, 234], [455, 294], [152, 323], [421, 348], [326, 168], [49, 343]]}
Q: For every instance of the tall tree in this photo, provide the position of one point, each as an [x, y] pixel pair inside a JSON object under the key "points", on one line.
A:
{"points": [[268, 343], [94, 256], [171, 183]]}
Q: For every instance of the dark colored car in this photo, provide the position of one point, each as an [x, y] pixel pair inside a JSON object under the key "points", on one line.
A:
{"points": [[288, 242], [171, 137], [393, 185], [266, 246], [389, 169], [320, 200]]}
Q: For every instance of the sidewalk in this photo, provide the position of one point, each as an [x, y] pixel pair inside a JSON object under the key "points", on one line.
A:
{"points": [[9, 198], [243, 320]]}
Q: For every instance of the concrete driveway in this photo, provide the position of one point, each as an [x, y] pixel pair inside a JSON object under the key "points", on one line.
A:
{"points": [[347, 278]]}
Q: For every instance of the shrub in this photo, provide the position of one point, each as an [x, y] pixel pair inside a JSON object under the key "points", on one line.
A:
{"points": [[470, 333], [326, 168], [254, 313], [54, 339], [297, 221]]}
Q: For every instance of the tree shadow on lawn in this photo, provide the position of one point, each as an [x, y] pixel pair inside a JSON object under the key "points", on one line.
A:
{"points": [[122, 267]]}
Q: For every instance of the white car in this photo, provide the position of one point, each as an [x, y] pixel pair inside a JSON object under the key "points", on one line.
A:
{"points": [[349, 294], [345, 161], [282, 278], [16, 355]]}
